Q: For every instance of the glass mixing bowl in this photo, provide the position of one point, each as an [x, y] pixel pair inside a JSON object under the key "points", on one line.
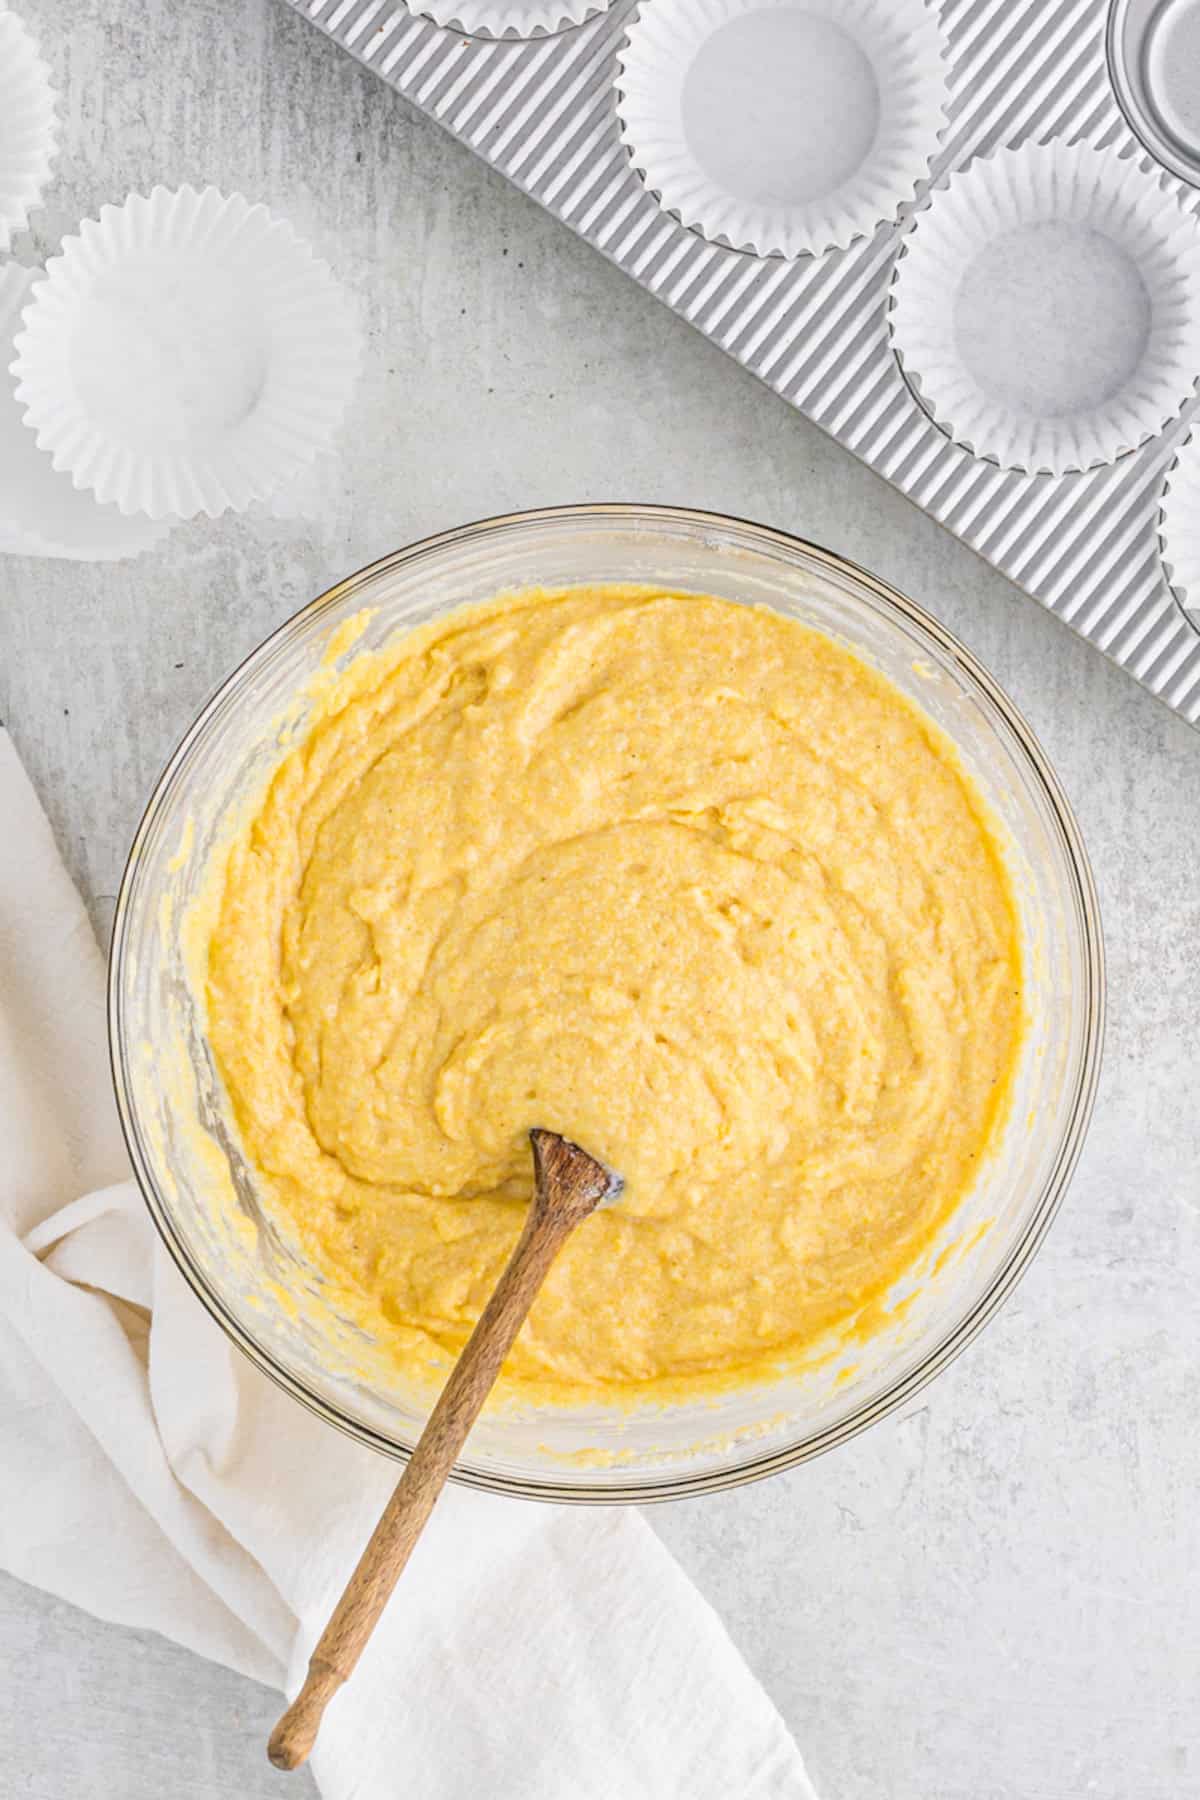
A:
{"points": [[188, 1162]]}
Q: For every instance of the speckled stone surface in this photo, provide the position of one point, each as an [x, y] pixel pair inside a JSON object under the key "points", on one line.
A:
{"points": [[996, 1597]]}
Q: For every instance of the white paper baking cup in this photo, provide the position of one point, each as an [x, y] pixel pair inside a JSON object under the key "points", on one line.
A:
{"points": [[510, 18], [185, 354], [784, 127], [1045, 307], [28, 126], [1179, 526], [43, 513]]}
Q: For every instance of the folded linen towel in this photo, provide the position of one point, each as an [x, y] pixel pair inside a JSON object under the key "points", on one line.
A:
{"points": [[150, 1474]]}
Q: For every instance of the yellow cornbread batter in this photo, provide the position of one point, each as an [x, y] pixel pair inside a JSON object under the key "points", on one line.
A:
{"points": [[675, 877]]}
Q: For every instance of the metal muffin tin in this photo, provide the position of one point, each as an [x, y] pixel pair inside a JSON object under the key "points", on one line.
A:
{"points": [[1154, 60], [542, 111]]}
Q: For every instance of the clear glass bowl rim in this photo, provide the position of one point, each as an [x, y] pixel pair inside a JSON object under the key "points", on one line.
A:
{"points": [[888, 600]]}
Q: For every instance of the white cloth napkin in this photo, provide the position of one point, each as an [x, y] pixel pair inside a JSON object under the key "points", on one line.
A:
{"points": [[150, 1474]]}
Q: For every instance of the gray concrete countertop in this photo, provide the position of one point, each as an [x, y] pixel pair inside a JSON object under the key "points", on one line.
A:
{"points": [[997, 1595]]}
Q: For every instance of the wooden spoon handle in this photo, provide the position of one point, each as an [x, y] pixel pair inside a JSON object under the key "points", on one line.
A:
{"points": [[382, 1562]]}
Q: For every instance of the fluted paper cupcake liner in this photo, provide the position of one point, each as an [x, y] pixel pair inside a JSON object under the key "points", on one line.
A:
{"points": [[1179, 526], [43, 513], [783, 127], [28, 126], [1086, 233], [185, 354], [516, 18]]}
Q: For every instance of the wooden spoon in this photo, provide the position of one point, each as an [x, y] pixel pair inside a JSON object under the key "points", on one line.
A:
{"points": [[568, 1186]]}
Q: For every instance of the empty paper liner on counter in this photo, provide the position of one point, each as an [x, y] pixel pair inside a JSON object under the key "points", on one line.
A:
{"points": [[186, 353], [28, 126]]}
